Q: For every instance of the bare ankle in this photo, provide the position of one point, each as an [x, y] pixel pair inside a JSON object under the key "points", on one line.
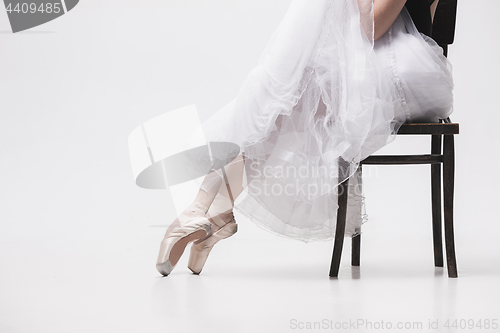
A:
{"points": [[220, 219], [227, 217]]}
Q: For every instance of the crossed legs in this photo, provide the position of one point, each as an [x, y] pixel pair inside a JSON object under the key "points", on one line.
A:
{"points": [[214, 201]]}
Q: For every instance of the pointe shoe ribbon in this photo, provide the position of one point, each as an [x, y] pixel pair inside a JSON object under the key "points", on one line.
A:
{"points": [[193, 225]]}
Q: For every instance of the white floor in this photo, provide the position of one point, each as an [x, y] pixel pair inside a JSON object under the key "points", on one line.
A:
{"points": [[79, 256], [104, 280]]}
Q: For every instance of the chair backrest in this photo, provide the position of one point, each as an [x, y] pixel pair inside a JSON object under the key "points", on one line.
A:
{"points": [[443, 28], [421, 15]]}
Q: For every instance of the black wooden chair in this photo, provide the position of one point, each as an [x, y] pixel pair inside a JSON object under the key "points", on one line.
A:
{"points": [[442, 153]]}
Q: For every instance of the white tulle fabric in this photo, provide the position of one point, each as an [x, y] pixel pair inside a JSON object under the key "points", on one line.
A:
{"points": [[323, 97]]}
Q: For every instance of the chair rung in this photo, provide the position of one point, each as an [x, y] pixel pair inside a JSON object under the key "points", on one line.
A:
{"points": [[403, 159]]}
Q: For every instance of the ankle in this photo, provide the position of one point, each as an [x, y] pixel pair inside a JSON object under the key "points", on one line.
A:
{"points": [[220, 205], [226, 217], [220, 220]]}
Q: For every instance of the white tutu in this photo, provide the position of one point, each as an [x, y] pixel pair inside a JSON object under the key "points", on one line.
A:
{"points": [[323, 97]]}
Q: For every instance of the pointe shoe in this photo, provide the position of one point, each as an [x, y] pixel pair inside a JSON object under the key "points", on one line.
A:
{"points": [[201, 248], [193, 226]]}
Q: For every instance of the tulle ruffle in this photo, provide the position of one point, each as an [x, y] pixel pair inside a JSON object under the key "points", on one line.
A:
{"points": [[323, 97]]}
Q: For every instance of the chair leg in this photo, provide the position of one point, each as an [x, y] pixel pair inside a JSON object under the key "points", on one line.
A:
{"points": [[448, 187], [340, 229], [356, 250], [436, 203]]}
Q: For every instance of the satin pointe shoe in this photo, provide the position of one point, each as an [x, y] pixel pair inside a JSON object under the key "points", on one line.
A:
{"points": [[193, 226], [201, 248]]}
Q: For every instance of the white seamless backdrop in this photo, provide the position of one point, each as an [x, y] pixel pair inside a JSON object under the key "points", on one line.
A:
{"points": [[79, 240]]}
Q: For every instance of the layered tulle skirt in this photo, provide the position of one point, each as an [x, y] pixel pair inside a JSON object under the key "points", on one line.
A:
{"points": [[323, 97]]}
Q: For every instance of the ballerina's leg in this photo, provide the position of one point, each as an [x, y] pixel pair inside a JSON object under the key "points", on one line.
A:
{"points": [[221, 209], [219, 198], [204, 198]]}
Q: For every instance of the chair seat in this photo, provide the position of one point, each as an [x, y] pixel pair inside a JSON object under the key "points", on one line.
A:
{"points": [[436, 157], [429, 128]]}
